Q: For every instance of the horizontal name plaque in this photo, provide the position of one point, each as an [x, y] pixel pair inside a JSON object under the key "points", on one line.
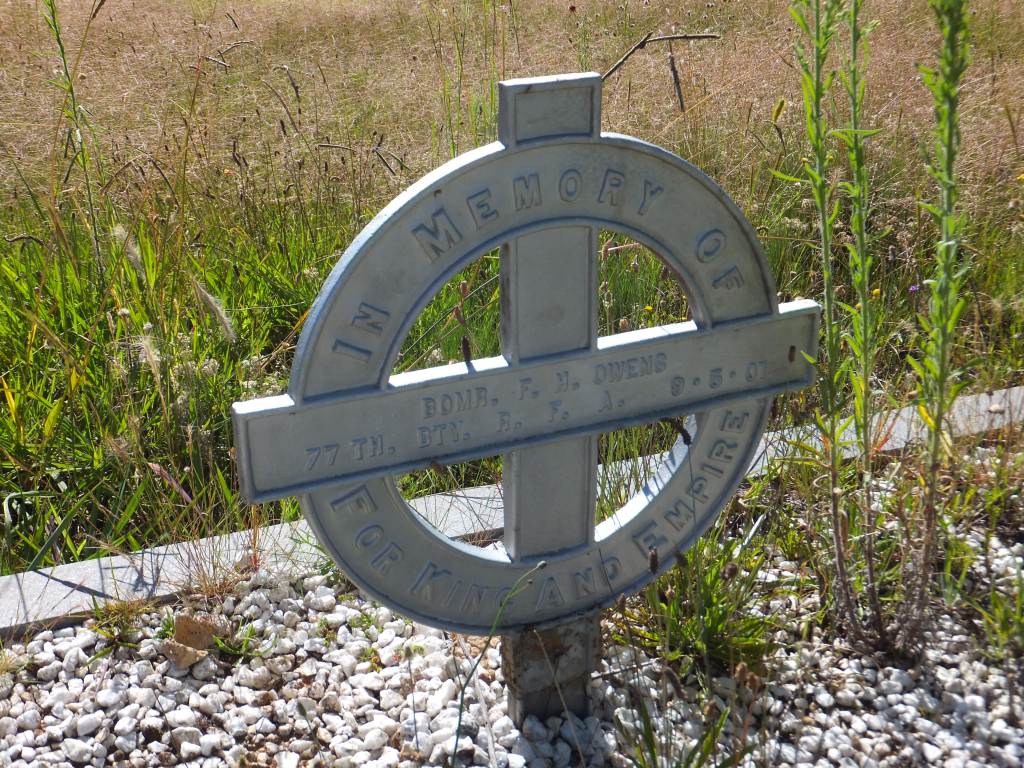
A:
{"points": [[455, 413]]}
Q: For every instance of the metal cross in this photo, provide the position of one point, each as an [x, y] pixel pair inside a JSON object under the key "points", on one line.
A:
{"points": [[542, 192]]}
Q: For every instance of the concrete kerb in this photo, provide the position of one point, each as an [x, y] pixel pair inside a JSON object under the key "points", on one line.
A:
{"points": [[62, 595]]}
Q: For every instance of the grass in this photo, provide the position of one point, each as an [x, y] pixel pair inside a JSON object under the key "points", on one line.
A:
{"points": [[700, 614], [244, 645], [177, 180]]}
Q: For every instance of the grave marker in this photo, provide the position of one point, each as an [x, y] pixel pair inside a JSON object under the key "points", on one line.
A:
{"points": [[347, 425]]}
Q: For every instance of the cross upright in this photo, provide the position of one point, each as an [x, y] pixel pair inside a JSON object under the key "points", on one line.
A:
{"points": [[549, 306]]}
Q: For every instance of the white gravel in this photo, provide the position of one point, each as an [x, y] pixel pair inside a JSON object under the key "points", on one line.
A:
{"points": [[343, 682]]}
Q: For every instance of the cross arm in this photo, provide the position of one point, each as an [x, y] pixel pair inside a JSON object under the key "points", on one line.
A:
{"points": [[457, 412]]}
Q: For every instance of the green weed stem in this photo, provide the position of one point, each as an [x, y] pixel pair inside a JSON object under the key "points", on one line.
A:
{"points": [[864, 328], [939, 381], [78, 127], [817, 19]]}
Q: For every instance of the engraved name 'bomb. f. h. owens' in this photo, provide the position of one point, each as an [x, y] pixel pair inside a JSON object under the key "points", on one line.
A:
{"points": [[542, 193]]}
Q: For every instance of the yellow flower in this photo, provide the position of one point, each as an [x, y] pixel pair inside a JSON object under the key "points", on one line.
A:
{"points": [[648, 308], [876, 292]]}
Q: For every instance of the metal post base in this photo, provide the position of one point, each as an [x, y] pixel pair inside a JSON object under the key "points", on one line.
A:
{"points": [[528, 659]]}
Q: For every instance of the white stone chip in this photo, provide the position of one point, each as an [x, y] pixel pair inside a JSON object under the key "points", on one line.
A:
{"points": [[89, 723], [77, 751]]}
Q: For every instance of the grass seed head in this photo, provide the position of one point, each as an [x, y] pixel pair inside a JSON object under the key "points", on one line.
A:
{"points": [[216, 309]]}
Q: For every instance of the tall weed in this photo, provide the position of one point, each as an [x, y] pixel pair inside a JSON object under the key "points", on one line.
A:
{"points": [[818, 20], [939, 380], [863, 333]]}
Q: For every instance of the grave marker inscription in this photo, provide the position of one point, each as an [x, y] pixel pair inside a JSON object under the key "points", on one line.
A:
{"points": [[347, 425]]}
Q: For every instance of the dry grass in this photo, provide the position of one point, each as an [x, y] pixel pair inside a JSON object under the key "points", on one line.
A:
{"points": [[353, 72]]}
